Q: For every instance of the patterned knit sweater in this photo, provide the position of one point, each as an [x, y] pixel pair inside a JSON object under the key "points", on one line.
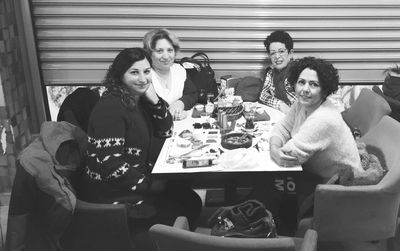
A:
{"points": [[321, 141], [119, 145]]}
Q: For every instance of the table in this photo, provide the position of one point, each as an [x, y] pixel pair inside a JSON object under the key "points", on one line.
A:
{"points": [[216, 174]]}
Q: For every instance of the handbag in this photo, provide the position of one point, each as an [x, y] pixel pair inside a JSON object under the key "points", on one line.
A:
{"points": [[199, 71], [249, 219]]}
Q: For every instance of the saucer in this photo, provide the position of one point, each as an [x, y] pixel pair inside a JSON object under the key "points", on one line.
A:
{"points": [[249, 130]]}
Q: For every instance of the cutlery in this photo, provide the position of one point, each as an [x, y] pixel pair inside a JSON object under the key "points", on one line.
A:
{"points": [[194, 150]]}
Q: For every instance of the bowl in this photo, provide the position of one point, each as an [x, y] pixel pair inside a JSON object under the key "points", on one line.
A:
{"points": [[236, 140], [199, 107]]}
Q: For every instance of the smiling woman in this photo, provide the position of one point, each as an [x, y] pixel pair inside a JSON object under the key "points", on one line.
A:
{"points": [[277, 92], [313, 132], [121, 130], [169, 78]]}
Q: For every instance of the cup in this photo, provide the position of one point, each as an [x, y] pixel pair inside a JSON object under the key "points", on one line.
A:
{"points": [[249, 112], [204, 117], [177, 115]]}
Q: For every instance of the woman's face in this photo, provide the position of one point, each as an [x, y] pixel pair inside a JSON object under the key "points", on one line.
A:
{"points": [[279, 55], [138, 78], [308, 89], [163, 55]]}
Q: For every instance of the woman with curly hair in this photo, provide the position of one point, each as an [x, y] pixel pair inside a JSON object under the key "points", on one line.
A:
{"points": [[277, 92], [121, 128], [313, 134]]}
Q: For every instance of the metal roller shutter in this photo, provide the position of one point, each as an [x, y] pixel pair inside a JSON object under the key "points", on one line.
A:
{"points": [[77, 39]]}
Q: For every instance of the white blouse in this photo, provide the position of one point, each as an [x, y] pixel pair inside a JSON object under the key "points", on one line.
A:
{"points": [[171, 88]]}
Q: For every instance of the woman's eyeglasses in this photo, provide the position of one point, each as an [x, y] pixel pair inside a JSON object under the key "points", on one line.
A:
{"points": [[278, 53]]}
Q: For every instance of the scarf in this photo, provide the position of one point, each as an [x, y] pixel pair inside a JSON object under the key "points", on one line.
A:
{"points": [[170, 89], [278, 80]]}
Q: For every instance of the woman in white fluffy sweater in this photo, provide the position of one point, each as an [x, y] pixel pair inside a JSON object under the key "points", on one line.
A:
{"points": [[313, 133]]}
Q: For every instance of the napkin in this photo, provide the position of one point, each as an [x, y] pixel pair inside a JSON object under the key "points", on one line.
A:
{"points": [[263, 116], [240, 158]]}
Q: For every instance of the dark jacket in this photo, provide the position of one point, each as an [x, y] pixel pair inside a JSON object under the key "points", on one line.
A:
{"points": [[42, 199]]}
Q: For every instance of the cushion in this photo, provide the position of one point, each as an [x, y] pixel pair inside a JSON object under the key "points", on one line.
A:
{"points": [[249, 88], [373, 163]]}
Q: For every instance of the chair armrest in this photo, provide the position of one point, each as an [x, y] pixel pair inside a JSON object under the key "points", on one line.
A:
{"points": [[363, 213], [309, 241], [181, 222]]}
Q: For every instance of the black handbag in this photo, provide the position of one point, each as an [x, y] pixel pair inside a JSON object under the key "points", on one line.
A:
{"points": [[249, 219], [201, 74]]}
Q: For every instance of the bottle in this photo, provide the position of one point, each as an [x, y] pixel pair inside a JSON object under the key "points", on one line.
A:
{"points": [[209, 108]]}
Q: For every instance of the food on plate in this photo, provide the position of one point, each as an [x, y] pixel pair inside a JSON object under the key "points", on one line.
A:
{"points": [[236, 140], [186, 134], [199, 107], [206, 125], [229, 101], [181, 142], [197, 126]]}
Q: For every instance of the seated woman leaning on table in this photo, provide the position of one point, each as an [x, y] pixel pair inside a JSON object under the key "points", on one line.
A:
{"points": [[313, 132], [277, 92], [169, 79], [121, 126]]}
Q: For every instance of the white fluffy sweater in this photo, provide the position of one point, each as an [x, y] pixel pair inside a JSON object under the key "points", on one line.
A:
{"points": [[321, 141]]}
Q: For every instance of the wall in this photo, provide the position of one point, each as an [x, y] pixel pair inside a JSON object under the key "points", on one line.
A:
{"points": [[15, 120]]}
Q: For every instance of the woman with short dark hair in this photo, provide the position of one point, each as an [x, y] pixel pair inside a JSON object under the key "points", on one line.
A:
{"points": [[277, 92], [314, 133]]}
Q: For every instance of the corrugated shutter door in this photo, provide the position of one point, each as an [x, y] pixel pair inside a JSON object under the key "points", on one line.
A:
{"points": [[78, 39]]}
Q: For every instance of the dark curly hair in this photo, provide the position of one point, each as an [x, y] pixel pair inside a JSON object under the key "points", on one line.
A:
{"points": [[279, 36], [327, 74], [113, 79]]}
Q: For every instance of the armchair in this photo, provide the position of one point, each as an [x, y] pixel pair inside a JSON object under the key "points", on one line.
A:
{"points": [[97, 227], [361, 217], [394, 103], [178, 237], [366, 111]]}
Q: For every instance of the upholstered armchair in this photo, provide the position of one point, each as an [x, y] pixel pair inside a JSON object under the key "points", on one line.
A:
{"points": [[361, 217], [178, 237], [394, 103], [366, 111], [98, 227]]}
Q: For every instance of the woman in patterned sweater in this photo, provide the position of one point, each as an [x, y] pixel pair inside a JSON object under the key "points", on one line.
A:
{"points": [[277, 92], [120, 131]]}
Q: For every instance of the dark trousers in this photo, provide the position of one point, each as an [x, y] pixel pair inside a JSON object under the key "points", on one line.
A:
{"points": [[283, 195], [178, 199]]}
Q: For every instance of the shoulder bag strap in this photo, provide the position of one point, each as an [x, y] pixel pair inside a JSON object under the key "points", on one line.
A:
{"points": [[203, 56]]}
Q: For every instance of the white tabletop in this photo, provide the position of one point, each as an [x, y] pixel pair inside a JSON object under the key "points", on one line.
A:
{"points": [[263, 161]]}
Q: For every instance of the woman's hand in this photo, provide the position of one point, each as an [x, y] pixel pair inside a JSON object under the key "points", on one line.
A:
{"points": [[177, 110], [151, 94], [284, 107], [283, 159]]}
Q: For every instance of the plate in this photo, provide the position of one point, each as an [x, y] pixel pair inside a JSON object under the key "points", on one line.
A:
{"points": [[249, 130], [236, 140]]}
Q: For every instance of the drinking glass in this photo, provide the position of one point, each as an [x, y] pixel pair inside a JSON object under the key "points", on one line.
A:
{"points": [[249, 115]]}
